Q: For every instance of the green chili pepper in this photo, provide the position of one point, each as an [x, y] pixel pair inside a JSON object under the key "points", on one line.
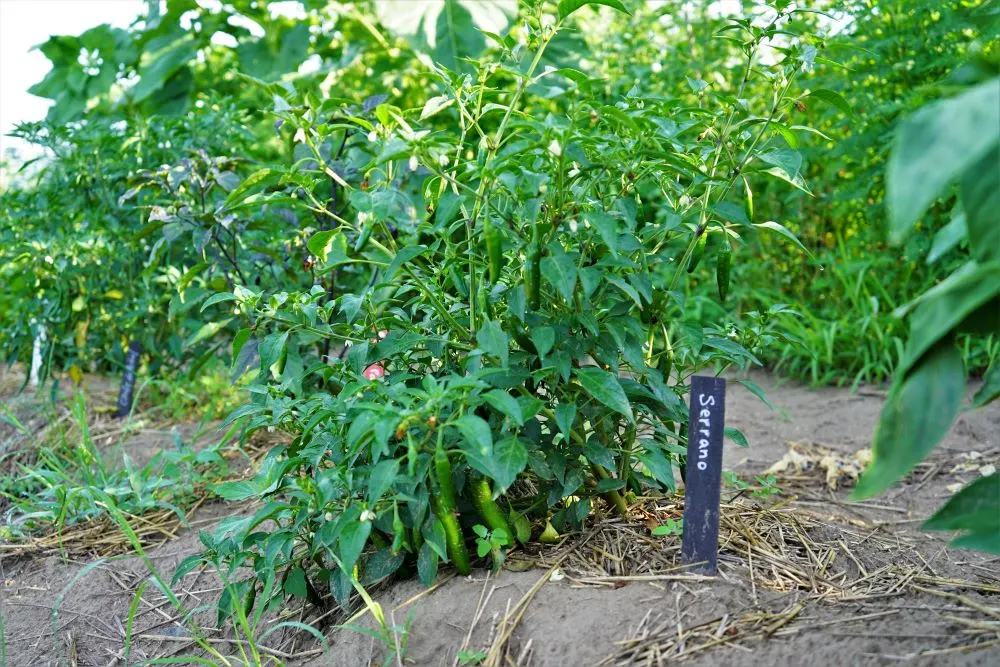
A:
{"points": [[250, 598], [482, 500], [446, 484], [454, 541], [748, 201], [494, 249], [444, 506], [722, 269], [666, 364], [366, 233], [399, 536], [483, 298], [533, 271], [699, 250]]}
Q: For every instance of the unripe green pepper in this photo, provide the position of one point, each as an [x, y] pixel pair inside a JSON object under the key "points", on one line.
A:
{"points": [[494, 249], [250, 597], [483, 299], [699, 250], [722, 267], [454, 541], [366, 233], [533, 270], [482, 500], [666, 364], [748, 199], [443, 505]]}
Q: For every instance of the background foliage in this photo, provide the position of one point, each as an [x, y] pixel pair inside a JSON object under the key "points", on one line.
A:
{"points": [[458, 250]]}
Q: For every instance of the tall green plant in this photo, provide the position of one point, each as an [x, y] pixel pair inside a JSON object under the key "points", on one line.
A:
{"points": [[503, 284], [954, 141]]}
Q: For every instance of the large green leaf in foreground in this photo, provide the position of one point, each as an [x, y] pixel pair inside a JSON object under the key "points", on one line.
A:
{"points": [[916, 416]]}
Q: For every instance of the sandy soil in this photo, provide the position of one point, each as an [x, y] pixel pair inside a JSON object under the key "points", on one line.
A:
{"points": [[570, 623]]}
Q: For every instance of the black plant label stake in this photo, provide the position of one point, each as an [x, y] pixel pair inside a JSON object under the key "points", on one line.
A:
{"points": [[128, 380], [700, 541]]}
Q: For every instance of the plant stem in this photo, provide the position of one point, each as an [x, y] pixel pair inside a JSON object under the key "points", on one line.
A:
{"points": [[613, 497]]}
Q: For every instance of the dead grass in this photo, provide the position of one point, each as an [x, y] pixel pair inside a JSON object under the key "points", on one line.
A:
{"points": [[833, 567], [100, 537]]}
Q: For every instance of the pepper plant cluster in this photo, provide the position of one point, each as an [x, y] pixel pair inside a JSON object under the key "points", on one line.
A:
{"points": [[500, 333]]}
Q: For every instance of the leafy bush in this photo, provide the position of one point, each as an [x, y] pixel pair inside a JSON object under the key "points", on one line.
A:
{"points": [[890, 62], [508, 259], [76, 259]]}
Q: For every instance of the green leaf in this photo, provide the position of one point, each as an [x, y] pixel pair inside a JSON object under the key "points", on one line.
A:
{"points": [[730, 348], [915, 417], [436, 105], [599, 454], [482, 548], [295, 583], [402, 257], [737, 436], [607, 227], [207, 331], [493, 341], [381, 478], [787, 165], [832, 98], [560, 270], [605, 388], [271, 349], [988, 542], [975, 508], [944, 309], [990, 390], [510, 458], [609, 484], [759, 392], [456, 36], [947, 238], [234, 491], [383, 563], [567, 7], [981, 200], [565, 415], [505, 404], [478, 441], [627, 289], [153, 74], [781, 229], [253, 180], [934, 146], [321, 244], [427, 565], [729, 211], [352, 541], [217, 298], [521, 526], [660, 467], [543, 338], [434, 535]]}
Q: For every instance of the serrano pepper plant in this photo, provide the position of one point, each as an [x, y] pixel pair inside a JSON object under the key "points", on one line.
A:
{"points": [[522, 239]]}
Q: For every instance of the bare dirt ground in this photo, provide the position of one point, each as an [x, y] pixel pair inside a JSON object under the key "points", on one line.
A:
{"points": [[806, 578]]}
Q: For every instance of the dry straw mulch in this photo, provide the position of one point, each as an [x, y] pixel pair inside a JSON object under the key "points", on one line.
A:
{"points": [[801, 571]]}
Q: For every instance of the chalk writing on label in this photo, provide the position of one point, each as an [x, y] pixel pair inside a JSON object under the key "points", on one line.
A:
{"points": [[704, 431], [706, 423]]}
